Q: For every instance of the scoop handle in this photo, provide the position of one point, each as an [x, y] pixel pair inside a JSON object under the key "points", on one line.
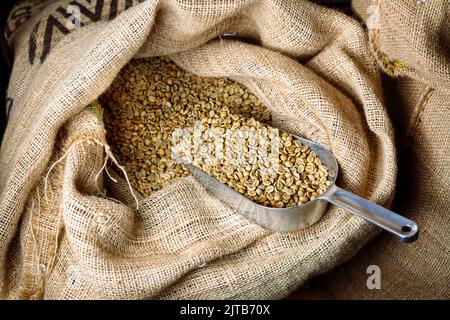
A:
{"points": [[406, 230]]}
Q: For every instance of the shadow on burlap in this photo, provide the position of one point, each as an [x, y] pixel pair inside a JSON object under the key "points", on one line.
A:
{"points": [[418, 102]]}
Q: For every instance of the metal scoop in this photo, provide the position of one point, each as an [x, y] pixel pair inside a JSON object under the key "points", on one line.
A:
{"points": [[302, 216]]}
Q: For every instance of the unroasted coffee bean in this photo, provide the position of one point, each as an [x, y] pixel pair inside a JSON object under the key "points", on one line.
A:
{"points": [[225, 132]]}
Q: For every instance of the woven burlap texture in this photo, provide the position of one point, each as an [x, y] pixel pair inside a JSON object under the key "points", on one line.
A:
{"points": [[410, 38], [418, 102], [419, 270], [62, 237]]}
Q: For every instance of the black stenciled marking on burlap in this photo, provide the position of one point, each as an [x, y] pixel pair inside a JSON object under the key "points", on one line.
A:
{"points": [[128, 4], [93, 12], [93, 16], [52, 23], [20, 14], [16, 19], [64, 13], [113, 9], [32, 43]]}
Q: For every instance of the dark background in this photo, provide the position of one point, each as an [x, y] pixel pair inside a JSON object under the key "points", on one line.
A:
{"points": [[5, 62]]}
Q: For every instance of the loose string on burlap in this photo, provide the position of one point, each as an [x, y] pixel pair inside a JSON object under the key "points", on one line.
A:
{"points": [[109, 156]]}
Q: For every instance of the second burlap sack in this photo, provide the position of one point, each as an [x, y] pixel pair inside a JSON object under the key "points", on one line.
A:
{"points": [[418, 101]]}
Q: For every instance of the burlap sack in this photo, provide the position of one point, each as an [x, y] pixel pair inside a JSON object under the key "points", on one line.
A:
{"points": [[419, 270], [421, 115], [61, 236], [410, 37]]}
